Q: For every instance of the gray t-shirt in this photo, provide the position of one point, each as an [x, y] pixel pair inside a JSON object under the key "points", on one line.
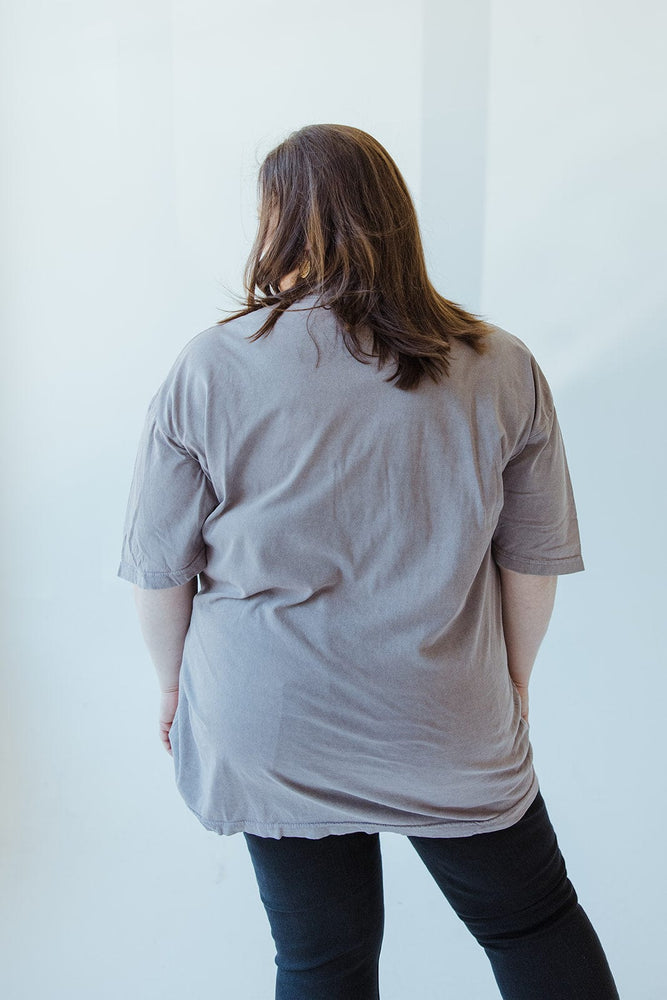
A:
{"points": [[345, 667]]}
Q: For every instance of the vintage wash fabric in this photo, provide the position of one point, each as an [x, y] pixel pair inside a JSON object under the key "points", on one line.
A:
{"points": [[345, 667]]}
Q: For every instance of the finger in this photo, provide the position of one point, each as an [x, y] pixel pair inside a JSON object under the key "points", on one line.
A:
{"points": [[164, 737]]}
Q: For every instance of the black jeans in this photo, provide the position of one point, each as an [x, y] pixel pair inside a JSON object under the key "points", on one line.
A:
{"points": [[325, 904]]}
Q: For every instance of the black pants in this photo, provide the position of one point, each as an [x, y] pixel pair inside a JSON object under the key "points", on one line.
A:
{"points": [[325, 904]]}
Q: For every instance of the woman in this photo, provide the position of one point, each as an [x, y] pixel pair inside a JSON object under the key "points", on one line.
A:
{"points": [[370, 484]]}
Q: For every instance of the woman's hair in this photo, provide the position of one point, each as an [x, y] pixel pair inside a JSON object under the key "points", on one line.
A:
{"points": [[333, 204]]}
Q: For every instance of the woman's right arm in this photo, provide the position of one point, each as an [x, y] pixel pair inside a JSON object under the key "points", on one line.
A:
{"points": [[527, 603]]}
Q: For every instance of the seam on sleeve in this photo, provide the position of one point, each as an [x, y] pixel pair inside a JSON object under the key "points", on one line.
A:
{"points": [[538, 567], [161, 579]]}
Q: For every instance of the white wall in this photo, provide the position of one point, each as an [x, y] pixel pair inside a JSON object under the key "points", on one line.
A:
{"points": [[575, 265], [530, 137]]}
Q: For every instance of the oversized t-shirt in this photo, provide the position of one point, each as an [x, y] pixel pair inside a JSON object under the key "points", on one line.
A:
{"points": [[345, 666]]}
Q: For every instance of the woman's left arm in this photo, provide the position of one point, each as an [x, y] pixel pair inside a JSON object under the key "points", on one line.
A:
{"points": [[527, 604], [164, 616]]}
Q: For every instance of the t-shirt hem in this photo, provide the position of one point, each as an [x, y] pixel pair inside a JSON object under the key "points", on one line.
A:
{"points": [[538, 567], [315, 831]]}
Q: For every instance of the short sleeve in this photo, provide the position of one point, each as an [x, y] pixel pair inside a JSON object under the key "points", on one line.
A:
{"points": [[170, 499], [537, 530]]}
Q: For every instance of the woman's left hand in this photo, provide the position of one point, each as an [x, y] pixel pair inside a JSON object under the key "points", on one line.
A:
{"points": [[168, 703], [523, 694]]}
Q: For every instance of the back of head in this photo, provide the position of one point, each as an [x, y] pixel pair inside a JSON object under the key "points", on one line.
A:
{"points": [[336, 215]]}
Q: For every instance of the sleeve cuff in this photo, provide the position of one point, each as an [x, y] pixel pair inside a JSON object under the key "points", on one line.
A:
{"points": [[538, 567], [161, 580]]}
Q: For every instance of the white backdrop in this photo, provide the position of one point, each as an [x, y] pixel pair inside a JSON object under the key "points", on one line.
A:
{"points": [[533, 140]]}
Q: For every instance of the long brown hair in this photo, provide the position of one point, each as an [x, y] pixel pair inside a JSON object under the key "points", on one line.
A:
{"points": [[333, 204]]}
